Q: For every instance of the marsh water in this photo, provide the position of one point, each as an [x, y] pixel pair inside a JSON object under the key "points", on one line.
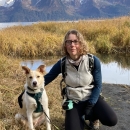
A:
{"points": [[115, 68], [10, 24]]}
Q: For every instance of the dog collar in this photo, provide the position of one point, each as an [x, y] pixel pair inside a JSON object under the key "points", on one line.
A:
{"points": [[34, 89], [31, 89]]}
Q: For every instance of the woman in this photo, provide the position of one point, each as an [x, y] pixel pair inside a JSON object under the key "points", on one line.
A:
{"points": [[83, 87]]}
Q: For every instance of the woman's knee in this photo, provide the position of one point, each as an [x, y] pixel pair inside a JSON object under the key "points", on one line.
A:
{"points": [[112, 121], [105, 113]]}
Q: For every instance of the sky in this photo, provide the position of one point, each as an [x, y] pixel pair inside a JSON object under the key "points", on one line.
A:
{"points": [[6, 3]]}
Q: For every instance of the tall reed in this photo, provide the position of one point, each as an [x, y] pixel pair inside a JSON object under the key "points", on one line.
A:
{"points": [[45, 38]]}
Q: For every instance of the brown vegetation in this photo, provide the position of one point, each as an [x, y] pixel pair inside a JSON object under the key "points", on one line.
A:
{"points": [[45, 38]]}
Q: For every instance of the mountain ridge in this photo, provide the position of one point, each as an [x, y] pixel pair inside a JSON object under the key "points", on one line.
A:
{"points": [[60, 10]]}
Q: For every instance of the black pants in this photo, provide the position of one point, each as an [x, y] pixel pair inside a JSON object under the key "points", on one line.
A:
{"points": [[101, 111]]}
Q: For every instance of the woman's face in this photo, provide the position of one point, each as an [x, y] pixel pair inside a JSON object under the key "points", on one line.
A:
{"points": [[72, 45]]}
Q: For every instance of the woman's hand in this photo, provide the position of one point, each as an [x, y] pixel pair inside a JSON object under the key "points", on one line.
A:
{"points": [[88, 111]]}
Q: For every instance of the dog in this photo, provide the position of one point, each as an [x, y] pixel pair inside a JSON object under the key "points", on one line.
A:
{"points": [[33, 112]]}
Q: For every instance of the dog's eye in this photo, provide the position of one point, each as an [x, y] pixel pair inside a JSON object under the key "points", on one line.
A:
{"points": [[30, 77], [38, 76]]}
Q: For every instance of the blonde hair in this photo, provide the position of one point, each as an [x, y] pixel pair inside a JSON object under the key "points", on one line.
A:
{"points": [[84, 48]]}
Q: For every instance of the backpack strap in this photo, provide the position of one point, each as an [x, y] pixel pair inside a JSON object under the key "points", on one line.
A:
{"points": [[63, 67], [64, 73], [91, 62]]}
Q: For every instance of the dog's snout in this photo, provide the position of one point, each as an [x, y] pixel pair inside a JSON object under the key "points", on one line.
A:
{"points": [[34, 83]]}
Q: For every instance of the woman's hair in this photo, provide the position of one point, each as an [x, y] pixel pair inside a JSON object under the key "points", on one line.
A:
{"points": [[83, 49]]}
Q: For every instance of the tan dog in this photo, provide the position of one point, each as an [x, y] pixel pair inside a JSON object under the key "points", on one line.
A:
{"points": [[33, 101]]}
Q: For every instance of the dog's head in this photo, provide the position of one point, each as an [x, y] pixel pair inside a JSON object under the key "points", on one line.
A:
{"points": [[35, 78]]}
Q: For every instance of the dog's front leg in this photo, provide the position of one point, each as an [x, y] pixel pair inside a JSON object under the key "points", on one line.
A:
{"points": [[30, 119], [48, 125]]}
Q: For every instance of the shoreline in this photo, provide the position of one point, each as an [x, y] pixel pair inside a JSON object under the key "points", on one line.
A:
{"points": [[118, 97], [122, 85]]}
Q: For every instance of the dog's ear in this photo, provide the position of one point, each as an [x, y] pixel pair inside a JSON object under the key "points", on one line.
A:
{"points": [[41, 68], [26, 69]]}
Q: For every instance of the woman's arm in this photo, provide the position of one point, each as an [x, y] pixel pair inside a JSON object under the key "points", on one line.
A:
{"points": [[97, 76], [54, 72]]}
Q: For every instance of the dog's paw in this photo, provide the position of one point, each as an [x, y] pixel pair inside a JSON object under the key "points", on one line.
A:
{"points": [[17, 118], [20, 119]]}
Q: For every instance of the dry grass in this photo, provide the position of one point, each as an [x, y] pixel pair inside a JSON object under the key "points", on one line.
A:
{"points": [[28, 42], [45, 38]]}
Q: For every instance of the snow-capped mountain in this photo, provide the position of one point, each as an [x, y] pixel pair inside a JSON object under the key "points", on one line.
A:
{"points": [[6, 3], [44, 10]]}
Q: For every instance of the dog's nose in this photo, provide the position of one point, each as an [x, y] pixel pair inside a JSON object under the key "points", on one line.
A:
{"points": [[34, 83]]}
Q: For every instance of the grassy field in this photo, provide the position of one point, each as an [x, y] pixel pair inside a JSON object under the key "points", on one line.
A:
{"points": [[42, 40], [45, 38]]}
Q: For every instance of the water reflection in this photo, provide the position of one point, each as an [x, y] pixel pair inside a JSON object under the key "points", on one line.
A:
{"points": [[123, 61], [115, 68], [113, 73], [32, 64]]}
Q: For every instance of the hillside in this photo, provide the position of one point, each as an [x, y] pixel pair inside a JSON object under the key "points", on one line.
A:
{"points": [[59, 10]]}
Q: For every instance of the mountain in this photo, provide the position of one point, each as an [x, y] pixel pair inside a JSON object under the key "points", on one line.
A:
{"points": [[59, 10], [6, 3]]}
